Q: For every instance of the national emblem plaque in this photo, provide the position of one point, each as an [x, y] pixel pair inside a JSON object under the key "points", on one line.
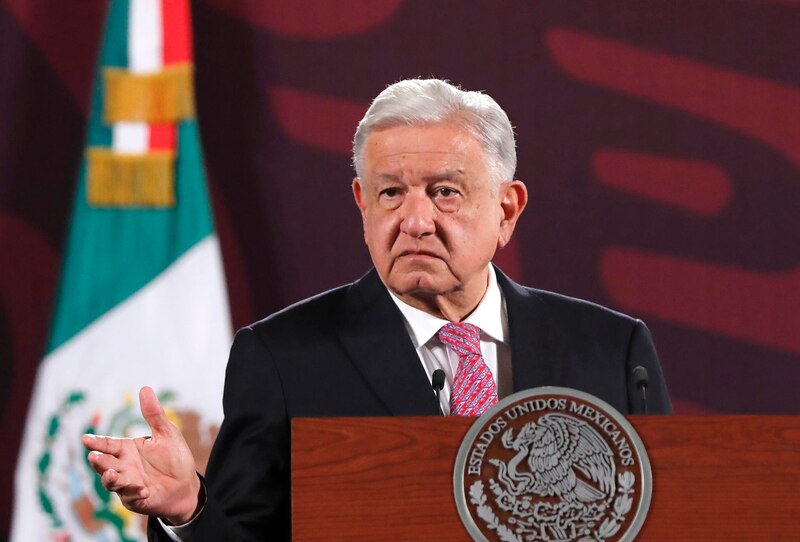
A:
{"points": [[552, 464]]}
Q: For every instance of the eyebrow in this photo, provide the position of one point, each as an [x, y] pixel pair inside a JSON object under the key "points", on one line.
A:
{"points": [[443, 176], [448, 175]]}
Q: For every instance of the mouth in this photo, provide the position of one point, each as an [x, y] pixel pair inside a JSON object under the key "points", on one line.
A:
{"points": [[418, 254]]}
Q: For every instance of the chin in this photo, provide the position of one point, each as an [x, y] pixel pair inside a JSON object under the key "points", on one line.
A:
{"points": [[420, 283]]}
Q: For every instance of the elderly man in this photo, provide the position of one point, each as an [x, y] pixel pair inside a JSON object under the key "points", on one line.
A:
{"points": [[436, 191]]}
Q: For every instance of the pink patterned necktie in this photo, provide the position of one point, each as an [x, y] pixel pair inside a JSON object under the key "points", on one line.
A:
{"points": [[474, 390]]}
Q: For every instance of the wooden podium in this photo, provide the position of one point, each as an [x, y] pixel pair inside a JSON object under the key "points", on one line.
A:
{"points": [[714, 478]]}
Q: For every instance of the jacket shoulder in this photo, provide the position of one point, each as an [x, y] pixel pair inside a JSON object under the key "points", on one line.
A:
{"points": [[561, 304], [312, 314], [323, 313]]}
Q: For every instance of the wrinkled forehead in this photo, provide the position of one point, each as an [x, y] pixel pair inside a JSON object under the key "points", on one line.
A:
{"points": [[449, 144]]}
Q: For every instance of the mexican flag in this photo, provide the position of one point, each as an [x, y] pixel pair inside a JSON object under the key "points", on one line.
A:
{"points": [[142, 296]]}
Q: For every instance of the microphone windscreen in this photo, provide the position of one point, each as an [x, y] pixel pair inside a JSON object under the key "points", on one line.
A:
{"points": [[437, 380], [640, 376]]}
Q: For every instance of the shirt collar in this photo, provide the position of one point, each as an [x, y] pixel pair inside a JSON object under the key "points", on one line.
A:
{"points": [[489, 315]]}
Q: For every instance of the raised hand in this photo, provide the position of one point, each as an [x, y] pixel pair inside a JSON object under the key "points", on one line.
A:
{"points": [[153, 475]]}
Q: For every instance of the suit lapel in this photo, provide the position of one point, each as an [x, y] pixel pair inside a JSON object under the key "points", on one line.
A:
{"points": [[537, 344], [375, 338]]}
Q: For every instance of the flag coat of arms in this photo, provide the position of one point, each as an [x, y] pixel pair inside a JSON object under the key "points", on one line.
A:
{"points": [[142, 297]]}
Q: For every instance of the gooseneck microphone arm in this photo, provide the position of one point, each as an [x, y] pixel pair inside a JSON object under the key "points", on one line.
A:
{"points": [[641, 380]]}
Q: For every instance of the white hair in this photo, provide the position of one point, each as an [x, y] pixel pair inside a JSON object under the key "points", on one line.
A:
{"points": [[420, 102]]}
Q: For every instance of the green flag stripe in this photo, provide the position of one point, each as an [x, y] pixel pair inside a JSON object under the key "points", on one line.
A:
{"points": [[113, 52], [111, 252]]}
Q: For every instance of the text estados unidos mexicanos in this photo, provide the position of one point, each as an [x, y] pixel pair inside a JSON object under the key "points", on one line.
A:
{"points": [[598, 419]]}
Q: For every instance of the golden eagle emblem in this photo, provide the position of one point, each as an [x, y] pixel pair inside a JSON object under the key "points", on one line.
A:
{"points": [[565, 458]]}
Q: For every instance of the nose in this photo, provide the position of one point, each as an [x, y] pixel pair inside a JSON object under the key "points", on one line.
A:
{"points": [[418, 213]]}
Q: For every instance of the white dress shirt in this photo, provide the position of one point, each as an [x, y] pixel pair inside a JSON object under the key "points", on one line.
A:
{"points": [[490, 316], [181, 533]]}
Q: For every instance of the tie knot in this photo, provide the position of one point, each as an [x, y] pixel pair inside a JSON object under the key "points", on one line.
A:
{"points": [[464, 338]]}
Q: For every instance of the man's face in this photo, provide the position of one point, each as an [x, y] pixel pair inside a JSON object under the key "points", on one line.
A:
{"points": [[431, 220]]}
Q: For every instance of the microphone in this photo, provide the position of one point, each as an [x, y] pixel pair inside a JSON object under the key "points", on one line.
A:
{"points": [[640, 379], [437, 383]]}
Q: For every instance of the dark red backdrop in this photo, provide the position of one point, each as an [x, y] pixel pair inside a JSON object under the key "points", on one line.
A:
{"points": [[660, 141]]}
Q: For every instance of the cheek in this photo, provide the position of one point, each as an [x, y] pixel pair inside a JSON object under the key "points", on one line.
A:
{"points": [[476, 237], [378, 231]]}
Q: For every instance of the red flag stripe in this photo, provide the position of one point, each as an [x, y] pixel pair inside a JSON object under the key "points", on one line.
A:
{"points": [[177, 28]]}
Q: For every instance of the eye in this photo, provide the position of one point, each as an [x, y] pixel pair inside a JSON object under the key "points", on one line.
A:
{"points": [[390, 192], [390, 198], [446, 192], [447, 198]]}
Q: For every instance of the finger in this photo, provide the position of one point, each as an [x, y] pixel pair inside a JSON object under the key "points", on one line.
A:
{"points": [[110, 480], [99, 443], [153, 412], [101, 462], [135, 503], [115, 477], [122, 485]]}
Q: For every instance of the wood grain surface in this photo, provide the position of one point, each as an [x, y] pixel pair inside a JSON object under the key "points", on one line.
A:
{"points": [[714, 478]]}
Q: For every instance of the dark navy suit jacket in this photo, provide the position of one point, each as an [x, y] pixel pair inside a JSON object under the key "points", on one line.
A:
{"points": [[347, 353]]}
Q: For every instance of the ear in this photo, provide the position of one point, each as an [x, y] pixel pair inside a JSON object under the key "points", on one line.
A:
{"points": [[359, 196], [513, 196]]}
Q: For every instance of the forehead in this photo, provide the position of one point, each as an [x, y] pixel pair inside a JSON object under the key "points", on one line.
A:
{"points": [[438, 145]]}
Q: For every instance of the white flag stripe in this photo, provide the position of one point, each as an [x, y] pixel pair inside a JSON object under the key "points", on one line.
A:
{"points": [[130, 137], [145, 36]]}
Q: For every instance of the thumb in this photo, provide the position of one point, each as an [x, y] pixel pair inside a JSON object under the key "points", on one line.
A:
{"points": [[153, 412]]}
